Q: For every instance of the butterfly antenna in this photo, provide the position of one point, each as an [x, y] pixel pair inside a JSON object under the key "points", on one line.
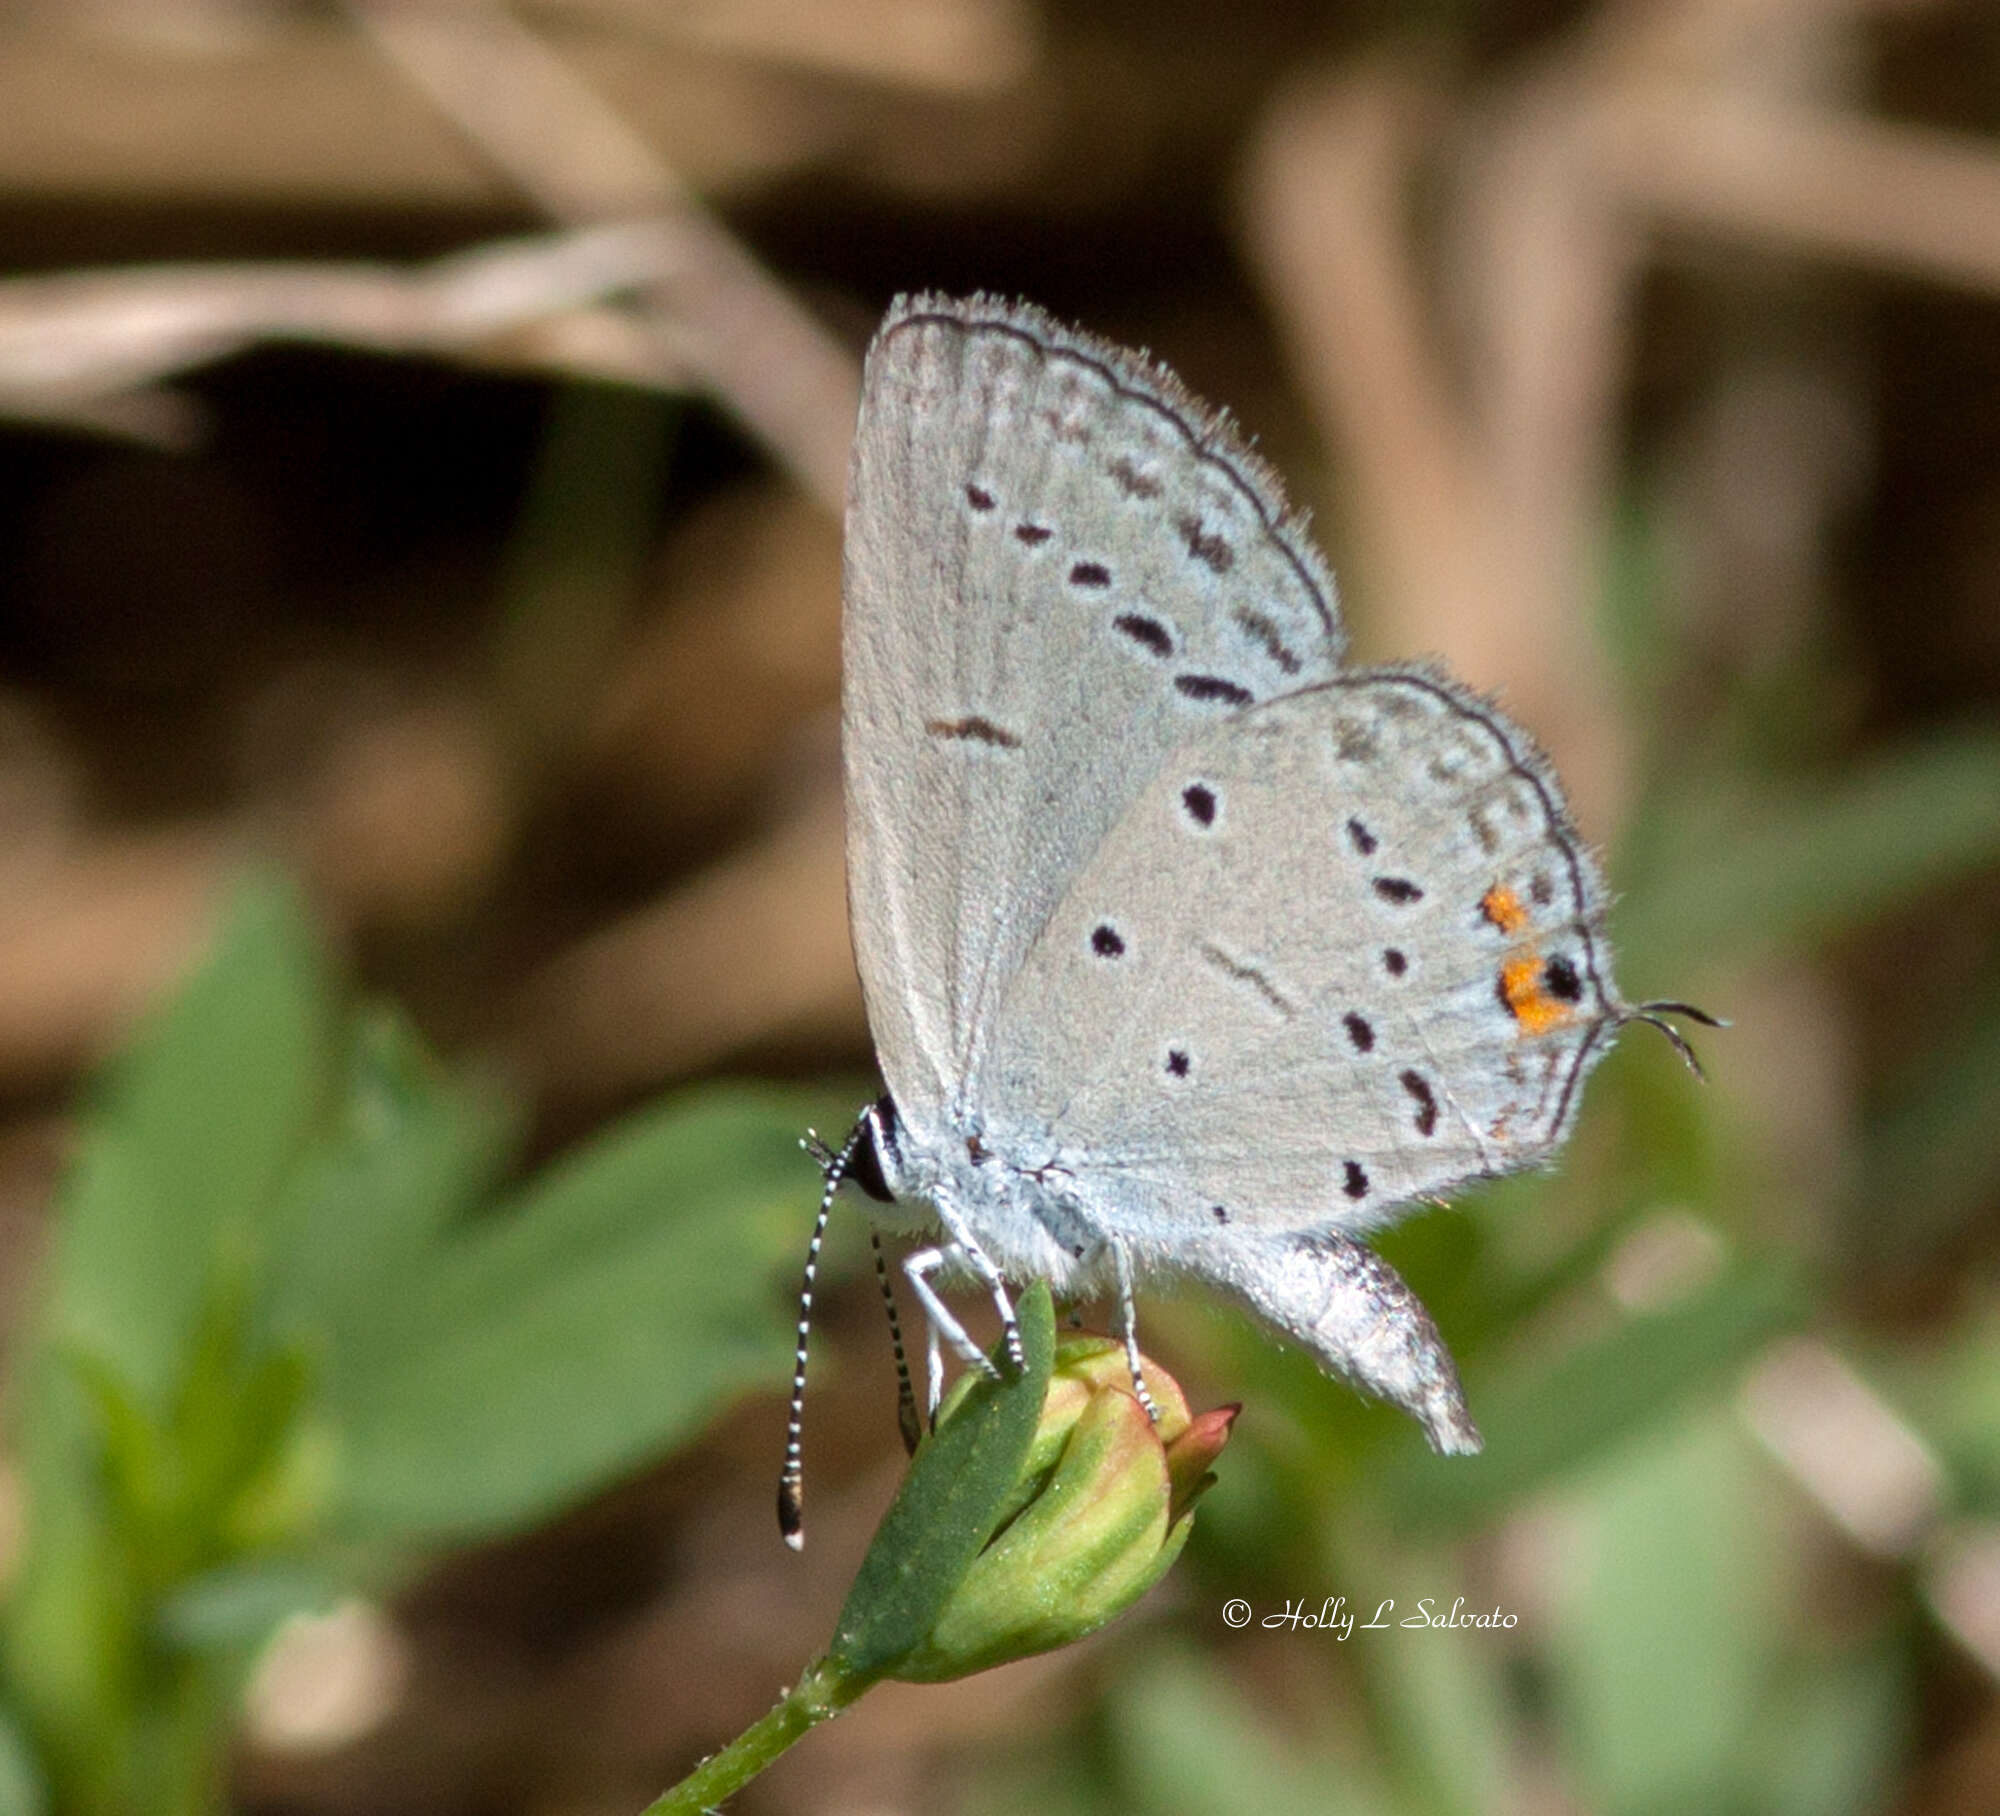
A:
{"points": [[1654, 1016], [792, 1479], [906, 1397]]}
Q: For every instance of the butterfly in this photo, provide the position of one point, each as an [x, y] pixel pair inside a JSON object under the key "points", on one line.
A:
{"points": [[1190, 953]]}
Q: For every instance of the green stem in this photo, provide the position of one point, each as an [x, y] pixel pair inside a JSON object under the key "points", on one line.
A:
{"points": [[819, 1695]]}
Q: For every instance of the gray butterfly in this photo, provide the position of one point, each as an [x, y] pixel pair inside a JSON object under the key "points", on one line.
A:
{"points": [[1189, 953]]}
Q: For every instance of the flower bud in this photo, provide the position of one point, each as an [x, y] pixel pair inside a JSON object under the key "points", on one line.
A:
{"points": [[1099, 1512]]}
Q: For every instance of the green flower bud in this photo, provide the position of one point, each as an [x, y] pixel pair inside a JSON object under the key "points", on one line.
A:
{"points": [[1099, 1511]]}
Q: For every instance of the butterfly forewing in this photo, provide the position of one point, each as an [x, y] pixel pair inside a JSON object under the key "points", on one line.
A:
{"points": [[1059, 568]]}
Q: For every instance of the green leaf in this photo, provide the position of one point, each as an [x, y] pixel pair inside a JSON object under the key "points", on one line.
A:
{"points": [[945, 1511], [71, 1612], [21, 1789], [1889, 831], [1438, 1702], [562, 1340], [194, 1129], [138, 1472], [1185, 1738], [1950, 1390], [235, 1411], [1931, 1154], [1676, 1600], [236, 1606], [1540, 1424], [1831, 1741], [412, 1153]]}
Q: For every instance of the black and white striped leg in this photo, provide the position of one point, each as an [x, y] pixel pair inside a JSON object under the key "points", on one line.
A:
{"points": [[906, 1400], [918, 1268], [965, 1247], [1128, 1324]]}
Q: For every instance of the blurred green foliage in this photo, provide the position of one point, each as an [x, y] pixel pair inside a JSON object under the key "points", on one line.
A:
{"points": [[291, 1335]]}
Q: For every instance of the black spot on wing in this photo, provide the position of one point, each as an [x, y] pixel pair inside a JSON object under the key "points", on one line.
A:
{"points": [[1212, 687], [1359, 1031], [1033, 534], [1211, 550], [979, 498], [1199, 801], [974, 729], [1362, 839], [1354, 1180], [1267, 635], [1132, 482], [1560, 979], [1178, 1062], [1090, 573], [1526, 773], [1194, 427], [1106, 941], [1148, 632], [1398, 889], [1421, 1094], [1394, 962]]}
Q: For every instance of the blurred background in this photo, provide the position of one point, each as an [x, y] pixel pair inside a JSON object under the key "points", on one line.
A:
{"points": [[422, 434]]}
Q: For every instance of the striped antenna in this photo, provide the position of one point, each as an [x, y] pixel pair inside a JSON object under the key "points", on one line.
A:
{"points": [[1654, 1016], [792, 1480]]}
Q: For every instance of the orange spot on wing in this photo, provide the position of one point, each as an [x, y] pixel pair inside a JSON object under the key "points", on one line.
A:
{"points": [[1530, 1004], [1502, 907]]}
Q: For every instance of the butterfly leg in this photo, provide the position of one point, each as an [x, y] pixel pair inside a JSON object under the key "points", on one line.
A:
{"points": [[906, 1401], [918, 1268], [1128, 1324], [964, 1248]]}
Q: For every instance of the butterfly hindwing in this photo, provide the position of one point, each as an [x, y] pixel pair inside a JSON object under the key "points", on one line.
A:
{"points": [[1342, 953]]}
